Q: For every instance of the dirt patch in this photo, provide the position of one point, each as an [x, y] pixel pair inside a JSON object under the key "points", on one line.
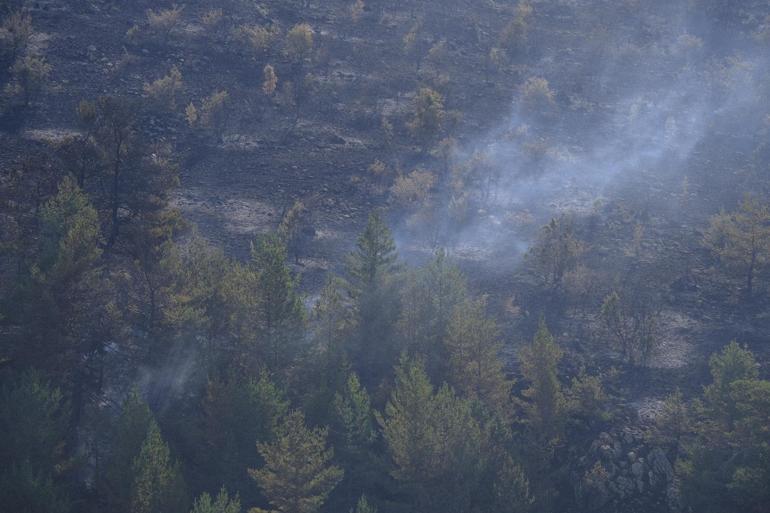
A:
{"points": [[677, 341]]}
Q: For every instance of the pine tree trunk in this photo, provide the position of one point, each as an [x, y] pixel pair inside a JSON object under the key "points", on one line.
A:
{"points": [[750, 275], [114, 197]]}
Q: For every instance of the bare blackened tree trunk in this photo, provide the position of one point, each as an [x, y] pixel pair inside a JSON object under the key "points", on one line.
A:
{"points": [[115, 193]]}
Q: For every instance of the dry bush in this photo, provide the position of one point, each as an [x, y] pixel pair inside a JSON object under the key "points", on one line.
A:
{"points": [[536, 95], [414, 44], [259, 39], [126, 60], [741, 241], [459, 208], [211, 113], [435, 79], [212, 109], [556, 253], [269, 80], [477, 176], [133, 33], [299, 42], [634, 247], [211, 18], [514, 35], [295, 228], [763, 32], [411, 37], [582, 285], [86, 112], [437, 58], [413, 189], [287, 96], [687, 43], [29, 75], [445, 151], [438, 53], [730, 72], [163, 21], [429, 114], [191, 114], [378, 169], [497, 59], [357, 10], [164, 90], [381, 175], [15, 33], [387, 130], [537, 150], [632, 326]]}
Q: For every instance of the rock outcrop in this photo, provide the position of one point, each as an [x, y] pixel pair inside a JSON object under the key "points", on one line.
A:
{"points": [[623, 472]]}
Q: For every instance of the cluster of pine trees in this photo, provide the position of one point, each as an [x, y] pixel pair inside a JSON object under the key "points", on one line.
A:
{"points": [[147, 372], [143, 370]]}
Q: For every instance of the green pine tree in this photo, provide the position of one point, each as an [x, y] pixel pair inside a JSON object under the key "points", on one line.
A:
{"points": [[474, 352], [354, 414], [281, 313], [298, 475], [374, 258], [236, 413], [327, 367], [138, 176], [434, 442], [546, 400], [124, 440], [354, 435], [725, 466], [556, 253], [196, 277], [428, 300], [62, 298], [371, 270], [545, 411], [510, 490], [69, 234], [33, 430], [733, 364], [741, 240], [157, 486], [364, 506], [223, 503]]}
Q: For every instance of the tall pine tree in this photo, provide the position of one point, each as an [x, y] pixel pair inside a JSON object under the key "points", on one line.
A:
{"points": [[33, 431], [474, 352], [298, 475], [429, 297], [546, 400], [157, 486], [433, 441], [280, 310], [122, 444], [371, 269], [354, 435], [235, 414], [545, 417]]}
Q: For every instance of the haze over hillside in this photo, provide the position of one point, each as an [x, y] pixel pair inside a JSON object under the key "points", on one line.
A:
{"points": [[423, 256]]}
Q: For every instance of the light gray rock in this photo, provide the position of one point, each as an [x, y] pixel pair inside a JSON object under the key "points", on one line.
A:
{"points": [[624, 487], [661, 468]]}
